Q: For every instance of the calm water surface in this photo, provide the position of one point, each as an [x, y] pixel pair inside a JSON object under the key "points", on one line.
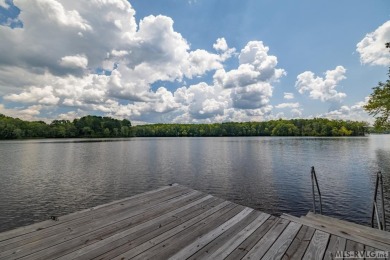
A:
{"points": [[39, 178]]}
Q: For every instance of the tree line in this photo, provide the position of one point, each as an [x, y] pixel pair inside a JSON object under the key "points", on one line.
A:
{"points": [[97, 127], [88, 126], [292, 127]]}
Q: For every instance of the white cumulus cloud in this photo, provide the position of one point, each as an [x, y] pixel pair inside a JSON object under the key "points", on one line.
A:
{"points": [[74, 62], [354, 112], [322, 88], [221, 45], [255, 66], [251, 82], [288, 95], [30, 113], [65, 29], [202, 101], [296, 112], [294, 108], [3, 4], [287, 105], [372, 48], [93, 57], [35, 95], [252, 96]]}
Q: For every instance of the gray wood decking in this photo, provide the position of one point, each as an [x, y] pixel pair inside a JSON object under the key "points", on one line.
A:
{"points": [[176, 222]]}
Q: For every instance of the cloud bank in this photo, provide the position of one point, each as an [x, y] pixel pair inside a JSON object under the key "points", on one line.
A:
{"points": [[99, 59], [68, 58]]}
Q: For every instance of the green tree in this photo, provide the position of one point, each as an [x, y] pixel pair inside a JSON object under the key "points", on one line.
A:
{"points": [[285, 129], [106, 132], [125, 131], [18, 133], [343, 131], [379, 103]]}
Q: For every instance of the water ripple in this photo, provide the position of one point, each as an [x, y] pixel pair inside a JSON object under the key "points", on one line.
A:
{"points": [[40, 178]]}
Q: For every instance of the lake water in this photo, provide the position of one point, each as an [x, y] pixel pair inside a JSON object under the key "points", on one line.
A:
{"points": [[40, 178]]}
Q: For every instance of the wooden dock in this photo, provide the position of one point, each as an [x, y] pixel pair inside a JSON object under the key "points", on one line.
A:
{"points": [[176, 222]]}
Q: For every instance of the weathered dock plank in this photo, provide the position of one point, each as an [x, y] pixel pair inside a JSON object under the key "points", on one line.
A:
{"points": [[126, 236], [176, 222], [338, 231], [252, 240], [262, 246], [335, 244], [229, 246], [359, 230], [110, 232], [210, 248], [68, 233], [298, 246], [142, 241], [354, 246], [67, 223], [280, 246], [49, 223], [172, 245], [317, 246], [132, 251], [371, 249], [203, 240]]}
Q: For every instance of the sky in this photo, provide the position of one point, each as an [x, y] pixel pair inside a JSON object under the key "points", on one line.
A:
{"points": [[191, 61]]}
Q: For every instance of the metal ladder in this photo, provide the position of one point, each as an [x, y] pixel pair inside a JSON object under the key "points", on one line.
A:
{"points": [[314, 182], [381, 222]]}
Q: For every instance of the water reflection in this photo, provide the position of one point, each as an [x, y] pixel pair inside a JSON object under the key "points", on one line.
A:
{"points": [[40, 178]]}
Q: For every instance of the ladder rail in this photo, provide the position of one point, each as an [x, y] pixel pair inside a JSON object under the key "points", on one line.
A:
{"points": [[314, 182], [375, 213]]}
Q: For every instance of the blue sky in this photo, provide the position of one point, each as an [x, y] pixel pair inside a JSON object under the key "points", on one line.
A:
{"points": [[162, 63]]}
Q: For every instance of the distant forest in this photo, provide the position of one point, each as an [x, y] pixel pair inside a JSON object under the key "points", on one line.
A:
{"points": [[96, 126]]}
